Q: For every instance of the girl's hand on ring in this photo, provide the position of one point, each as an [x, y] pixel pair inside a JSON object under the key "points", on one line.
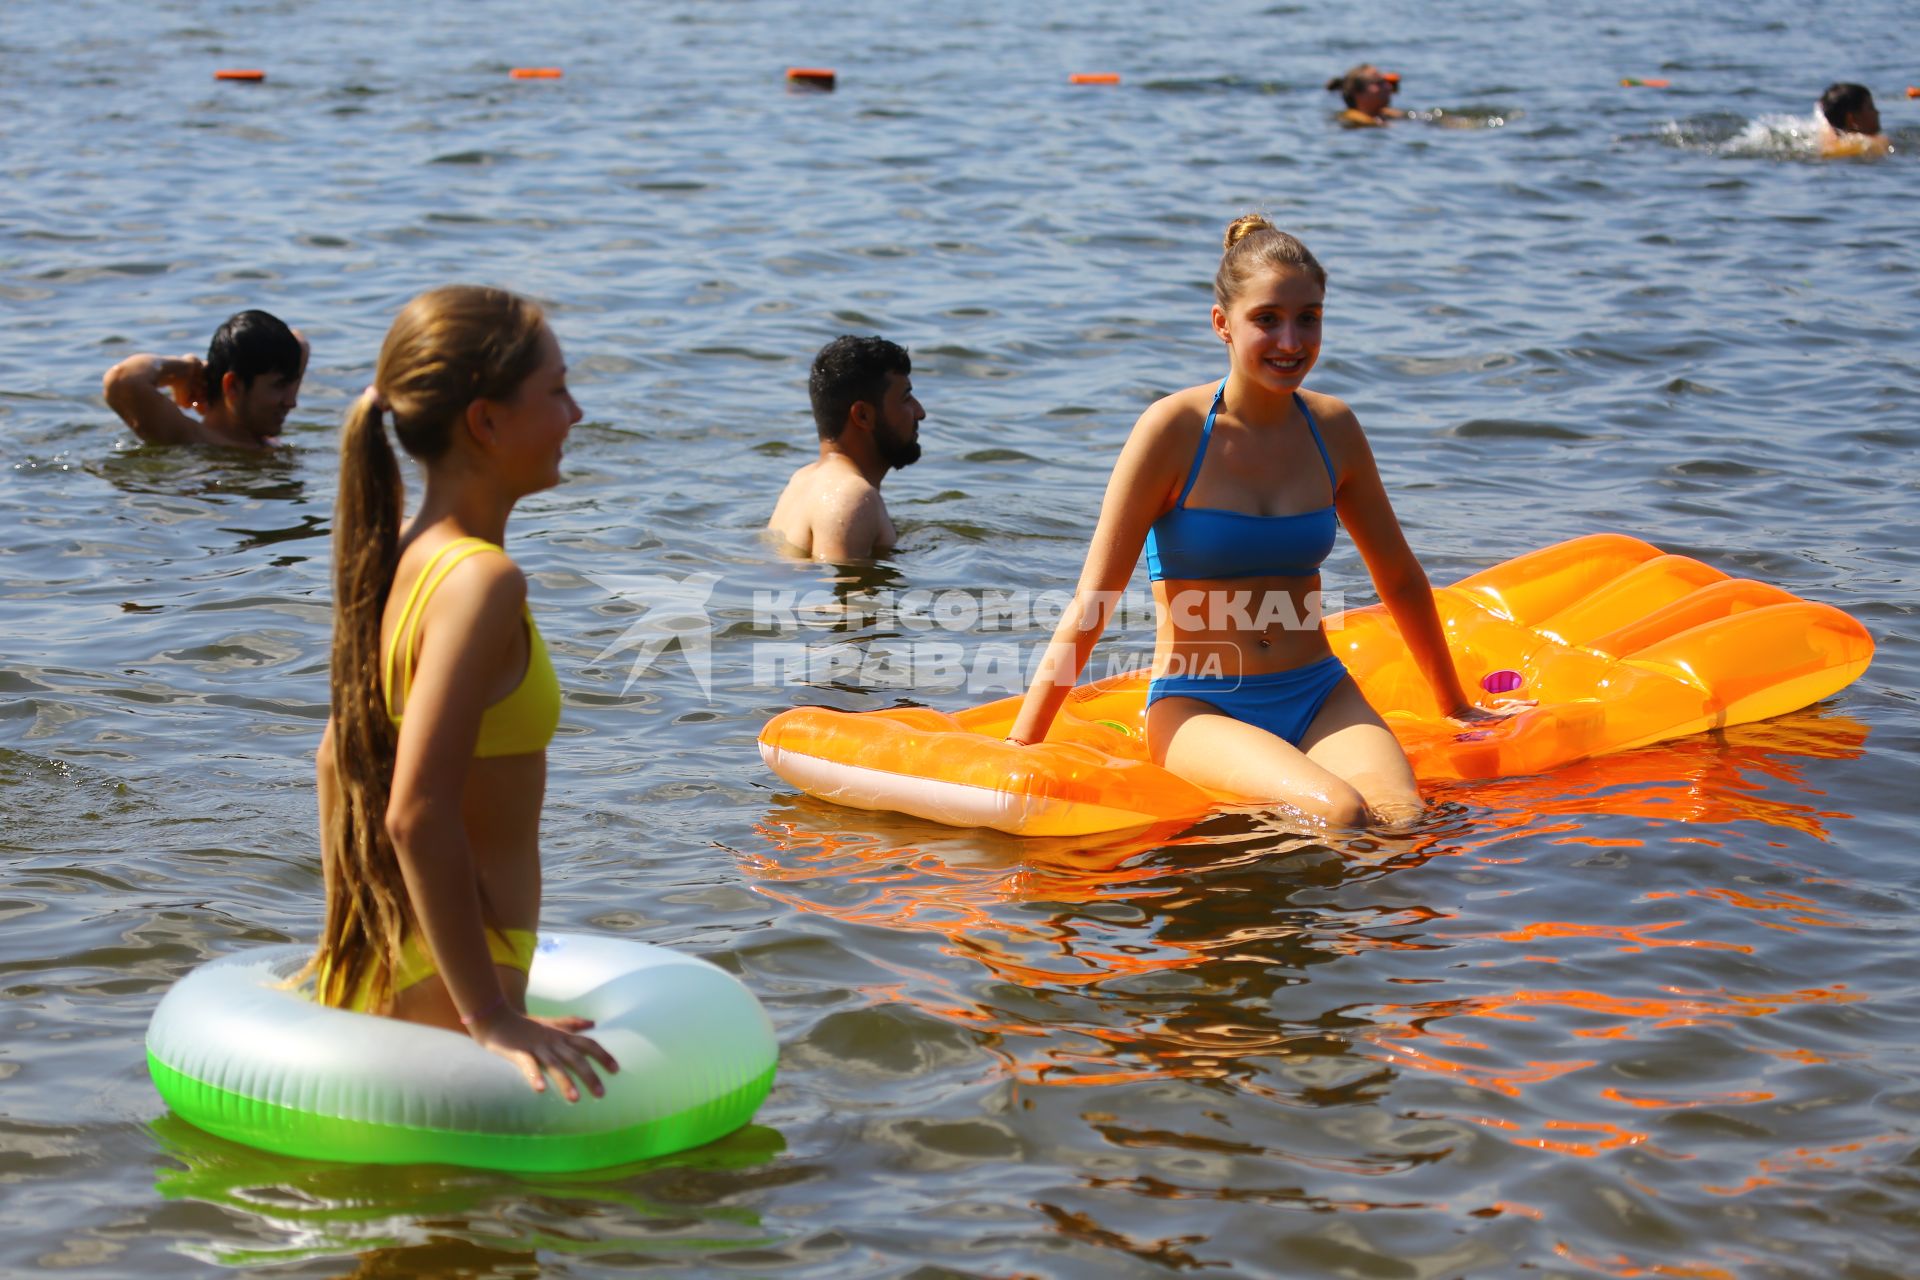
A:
{"points": [[547, 1047]]}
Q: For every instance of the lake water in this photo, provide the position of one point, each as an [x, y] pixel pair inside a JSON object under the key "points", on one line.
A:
{"points": [[1650, 1015]]}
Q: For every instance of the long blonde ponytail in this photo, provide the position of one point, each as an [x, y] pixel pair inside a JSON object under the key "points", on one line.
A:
{"points": [[368, 913]]}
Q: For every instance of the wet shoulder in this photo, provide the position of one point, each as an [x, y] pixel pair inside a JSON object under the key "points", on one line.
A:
{"points": [[841, 491], [792, 492], [1163, 445], [1175, 421], [480, 580], [1330, 411]]}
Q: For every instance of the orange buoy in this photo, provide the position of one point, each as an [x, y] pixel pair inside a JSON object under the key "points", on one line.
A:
{"points": [[811, 77], [236, 73], [1913, 91], [1627, 82], [536, 73], [1094, 77]]}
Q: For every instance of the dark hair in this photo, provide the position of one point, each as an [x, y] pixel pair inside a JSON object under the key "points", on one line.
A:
{"points": [[448, 348], [1348, 85], [1841, 100], [249, 344], [850, 371], [1253, 243]]}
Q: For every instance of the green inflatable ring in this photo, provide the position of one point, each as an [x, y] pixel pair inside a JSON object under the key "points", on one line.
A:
{"points": [[235, 1051]]}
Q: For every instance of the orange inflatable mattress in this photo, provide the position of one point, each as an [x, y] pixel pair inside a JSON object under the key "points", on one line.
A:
{"points": [[1619, 644]]}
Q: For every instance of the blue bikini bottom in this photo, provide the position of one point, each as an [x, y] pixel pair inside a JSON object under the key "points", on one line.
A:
{"points": [[1283, 703]]}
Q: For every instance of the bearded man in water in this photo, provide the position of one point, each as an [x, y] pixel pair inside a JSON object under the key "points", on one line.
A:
{"points": [[869, 424]]}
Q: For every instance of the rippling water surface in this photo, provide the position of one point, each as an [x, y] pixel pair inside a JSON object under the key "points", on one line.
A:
{"points": [[1651, 1015]]}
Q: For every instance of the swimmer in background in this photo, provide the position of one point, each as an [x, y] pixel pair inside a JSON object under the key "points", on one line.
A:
{"points": [[242, 392], [432, 770], [1367, 91], [869, 424], [1234, 489], [1848, 122]]}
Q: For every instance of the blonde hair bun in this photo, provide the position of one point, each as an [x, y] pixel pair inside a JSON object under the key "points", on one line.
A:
{"points": [[1255, 244], [1243, 226]]}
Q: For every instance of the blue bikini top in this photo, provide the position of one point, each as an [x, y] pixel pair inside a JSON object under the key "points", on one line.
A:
{"points": [[1207, 542]]}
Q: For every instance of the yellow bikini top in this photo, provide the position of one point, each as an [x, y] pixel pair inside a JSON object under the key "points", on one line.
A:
{"points": [[520, 723]]}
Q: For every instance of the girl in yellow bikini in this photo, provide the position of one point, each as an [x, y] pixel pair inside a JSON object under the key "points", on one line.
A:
{"points": [[432, 770]]}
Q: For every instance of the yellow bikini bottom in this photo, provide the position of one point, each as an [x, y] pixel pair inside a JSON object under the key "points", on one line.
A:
{"points": [[510, 947]]}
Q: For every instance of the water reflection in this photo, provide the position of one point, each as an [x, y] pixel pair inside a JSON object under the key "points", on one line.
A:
{"points": [[1469, 116], [415, 1220], [857, 588], [204, 471], [443, 1258], [1733, 777], [914, 875], [1226, 953]]}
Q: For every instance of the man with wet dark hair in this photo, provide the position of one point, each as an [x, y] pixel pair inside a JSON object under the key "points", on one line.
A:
{"points": [[869, 423], [242, 391], [1852, 122]]}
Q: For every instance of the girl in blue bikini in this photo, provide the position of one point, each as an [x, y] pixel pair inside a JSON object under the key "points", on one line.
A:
{"points": [[1235, 491]]}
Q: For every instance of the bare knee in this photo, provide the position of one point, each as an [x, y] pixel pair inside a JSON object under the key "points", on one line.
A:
{"points": [[1367, 803], [1339, 803], [1400, 813], [1394, 806]]}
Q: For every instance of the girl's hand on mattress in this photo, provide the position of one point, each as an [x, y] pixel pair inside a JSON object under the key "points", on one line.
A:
{"points": [[1498, 709]]}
